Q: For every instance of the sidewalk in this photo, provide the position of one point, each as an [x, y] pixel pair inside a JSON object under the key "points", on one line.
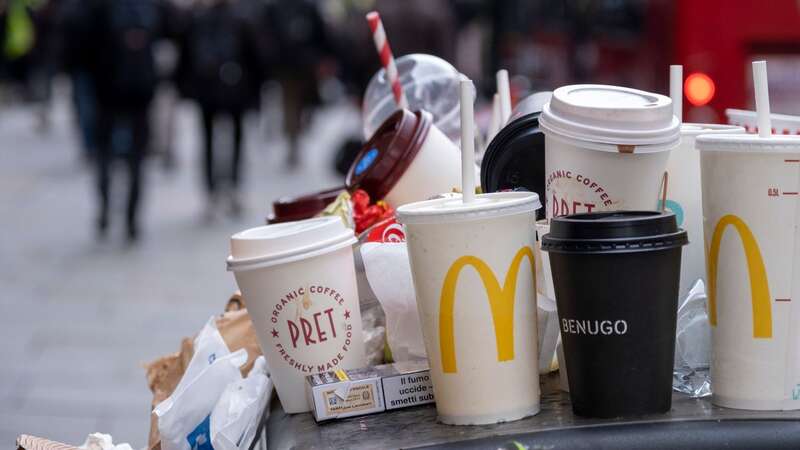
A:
{"points": [[80, 317]]}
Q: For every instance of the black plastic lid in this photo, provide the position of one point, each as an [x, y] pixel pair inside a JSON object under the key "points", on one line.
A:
{"points": [[515, 157], [614, 232]]}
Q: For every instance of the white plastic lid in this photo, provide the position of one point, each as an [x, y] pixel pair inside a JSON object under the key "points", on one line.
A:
{"points": [[781, 123], [287, 242], [611, 115], [747, 143], [453, 209], [695, 129]]}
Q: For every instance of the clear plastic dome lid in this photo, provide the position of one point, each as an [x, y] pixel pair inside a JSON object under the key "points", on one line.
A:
{"points": [[429, 82]]}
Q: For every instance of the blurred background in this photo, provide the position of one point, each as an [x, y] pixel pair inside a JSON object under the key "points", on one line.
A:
{"points": [[137, 135]]}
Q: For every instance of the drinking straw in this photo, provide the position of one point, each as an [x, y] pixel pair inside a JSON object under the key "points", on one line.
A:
{"points": [[762, 98], [676, 90], [387, 59], [504, 90], [494, 123], [466, 89]]}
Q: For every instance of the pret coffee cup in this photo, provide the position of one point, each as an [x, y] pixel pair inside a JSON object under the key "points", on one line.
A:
{"points": [[474, 273], [751, 207], [299, 284], [606, 148], [684, 197], [616, 278], [407, 160]]}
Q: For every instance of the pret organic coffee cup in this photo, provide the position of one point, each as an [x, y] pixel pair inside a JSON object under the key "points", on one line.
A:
{"points": [[474, 274], [606, 148], [407, 160], [299, 284], [750, 206], [616, 278], [684, 197]]}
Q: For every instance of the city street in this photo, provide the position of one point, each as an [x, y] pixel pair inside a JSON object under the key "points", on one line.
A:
{"points": [[80, 316]]}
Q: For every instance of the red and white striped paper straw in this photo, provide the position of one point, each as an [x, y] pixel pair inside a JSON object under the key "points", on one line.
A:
{"points": [[387, 59]]}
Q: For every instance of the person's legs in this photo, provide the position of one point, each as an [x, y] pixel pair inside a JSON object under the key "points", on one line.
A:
{"points": [[208, 142], [105, 125], [236, 122], [140, 138]]}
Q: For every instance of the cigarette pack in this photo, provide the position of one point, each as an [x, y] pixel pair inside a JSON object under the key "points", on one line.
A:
{"points": [[347, 393]]}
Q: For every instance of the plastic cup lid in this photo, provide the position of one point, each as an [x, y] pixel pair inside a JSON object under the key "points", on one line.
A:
{"points": [[614, 232], [385, 157], [747, 143], [453, 209], [304, 206], [695, 129], [287, 242], [611, 115]]}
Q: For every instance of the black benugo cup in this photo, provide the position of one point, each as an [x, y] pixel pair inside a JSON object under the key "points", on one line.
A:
{"points": [[616, 277]]}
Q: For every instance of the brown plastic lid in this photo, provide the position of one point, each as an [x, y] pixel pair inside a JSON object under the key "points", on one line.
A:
{"points": [[388, 153], [287, 209]]}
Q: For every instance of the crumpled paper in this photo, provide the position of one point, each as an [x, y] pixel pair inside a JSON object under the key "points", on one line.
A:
{"points": [[691, 374]]}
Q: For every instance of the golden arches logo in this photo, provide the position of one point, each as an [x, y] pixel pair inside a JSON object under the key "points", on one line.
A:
{"points": [[759, 285], [501, 303]]}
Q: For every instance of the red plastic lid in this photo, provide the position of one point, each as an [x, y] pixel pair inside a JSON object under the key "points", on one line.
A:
{"points": [[388, 153], [287, 209]]}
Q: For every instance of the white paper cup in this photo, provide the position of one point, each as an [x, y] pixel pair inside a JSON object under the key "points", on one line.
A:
{"points": [[299, 284], [750, 207], [606, 148], [408, 159], [474, 274], [435, 170], [684, 198], [781, 123]]}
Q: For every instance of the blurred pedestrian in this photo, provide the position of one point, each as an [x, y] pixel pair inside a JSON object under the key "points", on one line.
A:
{"points": [[123, 73], [219, 68], [304, 50]]}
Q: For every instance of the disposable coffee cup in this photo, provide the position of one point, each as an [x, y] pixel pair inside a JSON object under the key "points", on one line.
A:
{"points": [[514, 159], [606, 148], [407, 160], [299, 284], [616, 278], [750, 205], [781, 123], [287, 209], [684, 197], [474, 274]]}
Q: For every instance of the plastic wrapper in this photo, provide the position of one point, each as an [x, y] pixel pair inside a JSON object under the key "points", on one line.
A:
{"points": [[341, 207], [235, 418], [693, 345], [184, 417], [430, 83], [389, 275]]}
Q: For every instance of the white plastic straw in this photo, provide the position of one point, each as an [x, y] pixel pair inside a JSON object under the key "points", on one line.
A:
{"points": [[494, 123], [676, 90], [504, 90], [467, 140], [761, 89]]}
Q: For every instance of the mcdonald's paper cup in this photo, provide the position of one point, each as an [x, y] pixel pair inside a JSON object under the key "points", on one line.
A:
{"points": [[606, 148], [684, 196], [750, 208], [474, 273], [299, 283]]}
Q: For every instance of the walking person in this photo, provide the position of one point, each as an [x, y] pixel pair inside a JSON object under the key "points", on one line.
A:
{"points": [[219, 68], [124, 76]]}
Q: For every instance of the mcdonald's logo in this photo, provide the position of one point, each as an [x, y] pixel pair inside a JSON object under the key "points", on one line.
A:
{"points": [[759, 285], [501, 303]]}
